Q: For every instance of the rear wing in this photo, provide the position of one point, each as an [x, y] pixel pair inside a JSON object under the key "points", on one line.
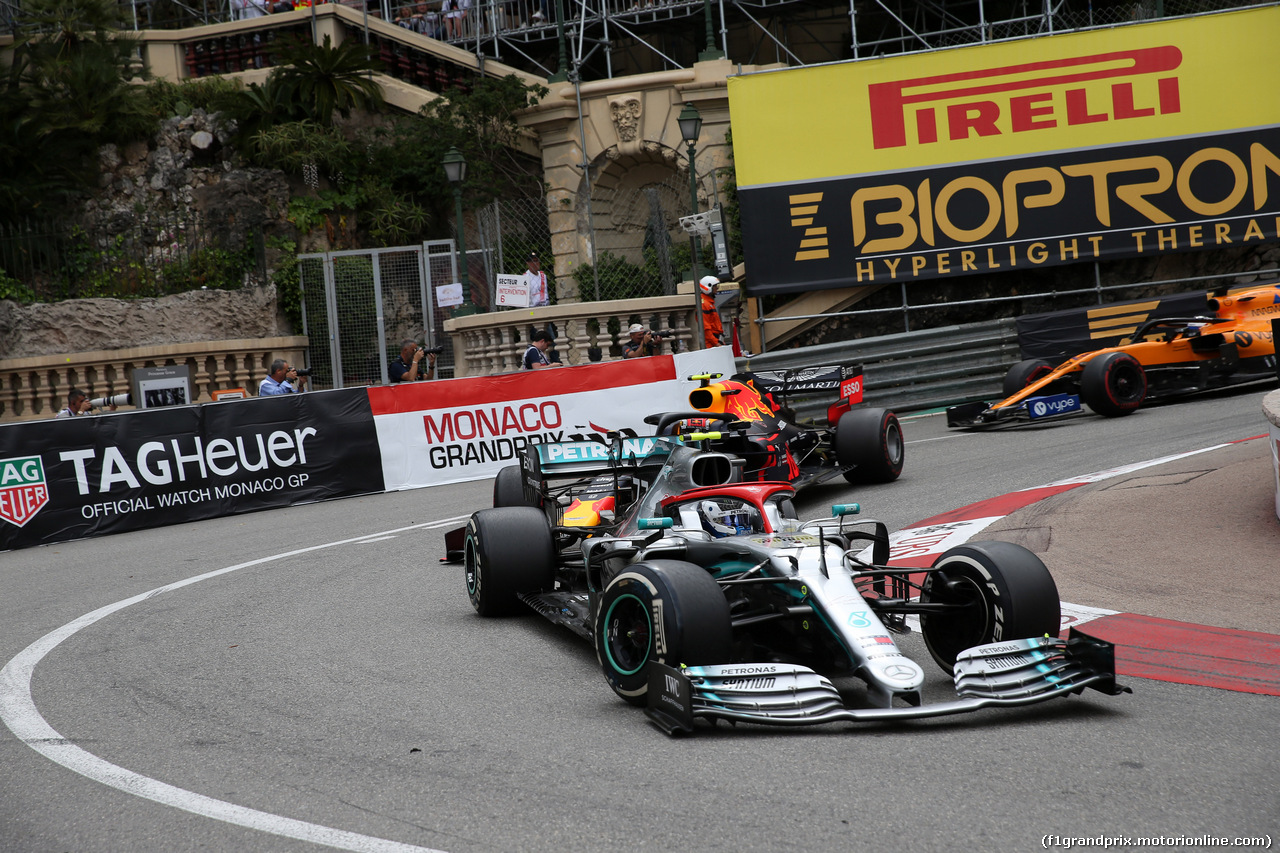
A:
{"points": [[843, 381], [576, 458]]}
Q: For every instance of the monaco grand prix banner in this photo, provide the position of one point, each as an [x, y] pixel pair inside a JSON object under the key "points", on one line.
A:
{"points": [[76, 477], [467, 429], [1126, 142]]}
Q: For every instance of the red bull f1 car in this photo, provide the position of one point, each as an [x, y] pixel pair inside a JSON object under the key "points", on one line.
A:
{"points": [[1164, 358], [706, 598], [756, 424]]}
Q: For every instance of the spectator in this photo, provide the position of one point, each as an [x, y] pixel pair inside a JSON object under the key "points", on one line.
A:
{"points": [[426, 22], [281, 379], [643, 342], [243, 10], [406, 366], [77, 404], [455, 16], [539, 295], [535, 357], [712, 327]]}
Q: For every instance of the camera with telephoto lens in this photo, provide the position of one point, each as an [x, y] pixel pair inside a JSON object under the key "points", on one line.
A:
{"points": [[125, 399], [663, 333], [431, 350], [306, 372]]}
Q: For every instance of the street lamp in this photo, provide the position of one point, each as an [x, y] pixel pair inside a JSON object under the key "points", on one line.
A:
{"points": [[455, 169], [690, 122]]}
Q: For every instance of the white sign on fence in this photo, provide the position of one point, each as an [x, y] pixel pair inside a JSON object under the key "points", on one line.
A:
{"points": [[449, 295], [513, 291]]}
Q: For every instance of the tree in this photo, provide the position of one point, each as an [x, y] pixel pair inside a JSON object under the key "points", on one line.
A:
{"points": [[319, 80], [68, 89], [481, 123]]}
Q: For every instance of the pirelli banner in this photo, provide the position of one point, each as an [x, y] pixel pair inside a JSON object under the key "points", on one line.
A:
{"points": [[1132, 141], [87, 476]]}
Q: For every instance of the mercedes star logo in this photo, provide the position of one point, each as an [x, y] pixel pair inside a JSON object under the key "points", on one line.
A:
{"points": [[899, 672]]}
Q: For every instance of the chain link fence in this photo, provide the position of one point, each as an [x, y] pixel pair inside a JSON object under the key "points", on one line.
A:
{"points": [[152, 255], [640, 248]]}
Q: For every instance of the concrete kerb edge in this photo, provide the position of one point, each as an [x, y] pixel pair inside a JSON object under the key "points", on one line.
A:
{"points": [[1271, 408]]}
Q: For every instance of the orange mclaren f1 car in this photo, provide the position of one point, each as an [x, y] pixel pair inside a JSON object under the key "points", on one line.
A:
{"points": [[1164, 358]]}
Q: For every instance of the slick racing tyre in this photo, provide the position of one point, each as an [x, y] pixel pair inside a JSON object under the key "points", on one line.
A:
{"points": [[659, 610], [1113, 384], [871, 440], [998, 591], [508, 551], [1024, 373], [508, 487]]}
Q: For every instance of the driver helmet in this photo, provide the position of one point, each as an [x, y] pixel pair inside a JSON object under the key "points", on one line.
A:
{"points": [[708, 283], [721, 522]]}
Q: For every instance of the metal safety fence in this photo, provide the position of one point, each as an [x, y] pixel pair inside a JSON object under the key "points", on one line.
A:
{"points": [[358, 306]]}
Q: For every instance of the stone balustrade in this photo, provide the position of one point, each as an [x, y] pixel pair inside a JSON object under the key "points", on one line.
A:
{"points": [[36, 387], [484, 344]]}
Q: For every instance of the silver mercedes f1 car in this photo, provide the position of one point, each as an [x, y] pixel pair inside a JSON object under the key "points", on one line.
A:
{"points": [[706, 597]]}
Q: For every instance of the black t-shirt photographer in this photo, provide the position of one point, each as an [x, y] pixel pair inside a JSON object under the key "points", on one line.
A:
{"points": [[407, 368], [643, 342]]}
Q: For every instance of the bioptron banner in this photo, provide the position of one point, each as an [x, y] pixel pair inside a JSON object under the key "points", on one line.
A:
{"points": [[72, 478], [1131, 141]]}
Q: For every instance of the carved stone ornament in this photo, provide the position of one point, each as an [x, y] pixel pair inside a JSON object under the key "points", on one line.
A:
{"points": [[627, 111]]}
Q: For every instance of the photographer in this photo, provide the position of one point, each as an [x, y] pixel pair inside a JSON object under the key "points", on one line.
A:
{"points": [[643, 342], [282, 378], [407, 366]]}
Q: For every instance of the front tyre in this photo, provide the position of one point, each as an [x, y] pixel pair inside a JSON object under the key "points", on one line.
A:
{"points": [[871, 440], [508, 552], [659, 610], [1113, 384], [1024, 373], [998, 591]]}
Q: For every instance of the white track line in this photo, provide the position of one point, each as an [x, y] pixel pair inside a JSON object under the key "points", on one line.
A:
{"points": [[18, 710]]}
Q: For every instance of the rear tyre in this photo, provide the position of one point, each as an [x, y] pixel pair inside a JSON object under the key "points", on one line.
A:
{"points": [[871, 440], [509, 551], [659, 610], [508, 487], [1113, 384], [1024, 373], [1004, 592]]}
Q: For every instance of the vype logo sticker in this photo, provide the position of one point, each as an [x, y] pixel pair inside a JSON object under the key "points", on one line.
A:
{"points": [[1030, 96]]}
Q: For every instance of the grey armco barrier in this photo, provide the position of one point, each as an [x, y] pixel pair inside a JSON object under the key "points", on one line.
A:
{"points": [[1271, 408], [911, 370]]}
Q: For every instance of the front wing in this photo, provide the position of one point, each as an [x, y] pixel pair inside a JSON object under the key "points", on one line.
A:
{"points": [[977, 415], [1009, 673]]}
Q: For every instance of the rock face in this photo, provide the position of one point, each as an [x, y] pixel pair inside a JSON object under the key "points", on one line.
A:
{"points": [[86, 325], [181, 178]]}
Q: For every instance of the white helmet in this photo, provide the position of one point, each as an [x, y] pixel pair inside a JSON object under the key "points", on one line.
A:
{"points": [[720, 522], [708, 283]]}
